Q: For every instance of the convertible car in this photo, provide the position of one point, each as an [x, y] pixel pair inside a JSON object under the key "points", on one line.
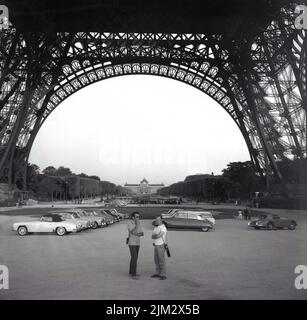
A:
{"points": [[48, 223], [272, 221], [188, 220]]}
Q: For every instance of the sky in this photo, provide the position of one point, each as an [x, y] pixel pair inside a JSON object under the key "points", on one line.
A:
{"points": [[132, 127]]}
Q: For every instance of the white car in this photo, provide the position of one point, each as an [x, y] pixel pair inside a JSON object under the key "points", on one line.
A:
{"points": [[47, 223]]}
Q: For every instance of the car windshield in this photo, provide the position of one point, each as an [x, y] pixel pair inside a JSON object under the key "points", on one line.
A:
{"points": [[75, 216]]}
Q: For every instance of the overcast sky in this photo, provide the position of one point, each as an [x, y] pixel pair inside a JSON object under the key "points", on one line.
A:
{"points": [[126, 128]]}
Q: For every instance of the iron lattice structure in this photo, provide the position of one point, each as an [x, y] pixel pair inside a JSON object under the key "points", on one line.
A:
{"points": [[260, 81]]}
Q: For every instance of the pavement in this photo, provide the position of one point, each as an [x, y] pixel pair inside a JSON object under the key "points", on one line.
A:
{"points": [[230, 262]]}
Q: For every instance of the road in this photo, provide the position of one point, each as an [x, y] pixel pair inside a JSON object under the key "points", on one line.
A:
{"points": [[231, 262]]}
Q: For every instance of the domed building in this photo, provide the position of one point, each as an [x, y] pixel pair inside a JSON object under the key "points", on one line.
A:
{"points": [[144, 187]]}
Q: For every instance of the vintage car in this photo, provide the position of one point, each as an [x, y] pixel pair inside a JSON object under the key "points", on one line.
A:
{"points": [[122, 215], [271, 222], [113, 214], [106, 219], [79, 213], [169, 213], [47, 223], [109, 219], [116, 213], [205, 214], [188, 220], [96, 221], [72, 216]]}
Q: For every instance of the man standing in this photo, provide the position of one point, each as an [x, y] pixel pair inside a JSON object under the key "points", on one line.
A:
{"points": [[135, 232], [159, 236]]}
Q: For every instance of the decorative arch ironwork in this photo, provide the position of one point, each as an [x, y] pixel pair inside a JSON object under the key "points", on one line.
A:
{"points": [[259, 81]]}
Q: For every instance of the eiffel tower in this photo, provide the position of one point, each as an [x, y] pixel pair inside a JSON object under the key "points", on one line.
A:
{"points": [[249, 56]]}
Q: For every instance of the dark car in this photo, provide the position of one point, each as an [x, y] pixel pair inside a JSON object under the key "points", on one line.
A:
{"points": [[272, 221], [188, 220], [112, 213]]}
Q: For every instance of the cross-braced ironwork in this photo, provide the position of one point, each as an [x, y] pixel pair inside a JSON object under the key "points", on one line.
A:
{"points": [[259, 81]]}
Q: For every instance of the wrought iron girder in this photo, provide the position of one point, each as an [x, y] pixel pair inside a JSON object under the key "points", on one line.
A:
{"points": [[248, 77]]}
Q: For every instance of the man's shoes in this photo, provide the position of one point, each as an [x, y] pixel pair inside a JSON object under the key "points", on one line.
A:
{"points": [[155, 276], [135, 277], [162, 278]]}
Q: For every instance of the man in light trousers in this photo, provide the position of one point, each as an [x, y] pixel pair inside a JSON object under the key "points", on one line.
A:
{"points": [[135, 232], [159, 237]]}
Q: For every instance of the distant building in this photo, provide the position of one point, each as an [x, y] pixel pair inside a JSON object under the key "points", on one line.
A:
{"points": [[143, 187]]}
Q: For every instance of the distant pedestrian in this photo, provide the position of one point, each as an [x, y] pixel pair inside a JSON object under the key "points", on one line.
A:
{"points": [[133, 241], [159, 237], [240, 215]]}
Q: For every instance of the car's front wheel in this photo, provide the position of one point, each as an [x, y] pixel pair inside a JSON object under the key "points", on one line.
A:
{"points": [[270, 226], [95, 225], [292, 226], [60, 231], [22, 231], [205, 229]]}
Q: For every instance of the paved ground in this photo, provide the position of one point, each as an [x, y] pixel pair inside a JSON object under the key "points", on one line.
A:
{"points": [[232, 262]]}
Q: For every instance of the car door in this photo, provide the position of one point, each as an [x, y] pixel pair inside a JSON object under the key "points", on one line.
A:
{"points": [[193, 221], [45, 225], [179, 220], [34, 226], [278, 223]]}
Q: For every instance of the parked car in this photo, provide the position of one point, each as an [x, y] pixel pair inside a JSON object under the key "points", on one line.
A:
{"points": [[205, 214], [97, 213], [113, 214], [96, 221], [48, 223], [188, 220], [119, 214], [72, 216], [272, 221], [109, 219], [79, 213], [169, 213]]}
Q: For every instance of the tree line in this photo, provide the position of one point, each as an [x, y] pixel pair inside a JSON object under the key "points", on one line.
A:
{"points": [[238, 181], [50, 183]]}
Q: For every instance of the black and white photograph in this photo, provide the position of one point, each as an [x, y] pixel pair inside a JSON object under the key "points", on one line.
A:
{"points": [[153, 151]]}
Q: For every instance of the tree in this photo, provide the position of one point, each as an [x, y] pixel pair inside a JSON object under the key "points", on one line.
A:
{"points": [[63, 171], [49, 171], [241, 179], [94, 177], [32, 178]]}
